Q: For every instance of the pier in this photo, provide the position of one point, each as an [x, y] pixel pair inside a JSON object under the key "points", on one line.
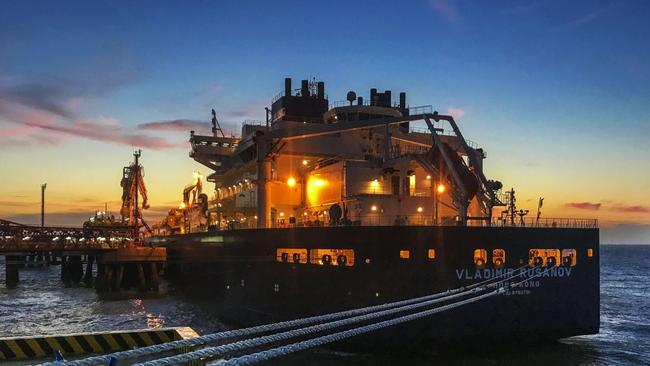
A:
{"points": [[120, 262]]}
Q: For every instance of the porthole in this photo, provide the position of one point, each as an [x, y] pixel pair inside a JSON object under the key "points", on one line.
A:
{"points": [[480, 257]]}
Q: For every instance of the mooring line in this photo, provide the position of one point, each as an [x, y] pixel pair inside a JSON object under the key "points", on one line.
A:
{"points": [[199, 341]]}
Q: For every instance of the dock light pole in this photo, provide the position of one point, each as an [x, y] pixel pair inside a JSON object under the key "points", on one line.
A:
{"points": [[43, 186]]}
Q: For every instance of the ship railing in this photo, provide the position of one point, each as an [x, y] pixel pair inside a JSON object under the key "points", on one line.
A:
{"points": [[546, 222], [443, 132], [378, 219], [367, 103]]}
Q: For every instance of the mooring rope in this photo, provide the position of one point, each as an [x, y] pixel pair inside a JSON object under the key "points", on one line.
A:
{"points": [[314, 342], [210, 338], [211, 352]]}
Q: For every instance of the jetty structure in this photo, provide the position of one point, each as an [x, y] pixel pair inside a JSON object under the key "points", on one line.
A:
{"points": [[112, 247]]}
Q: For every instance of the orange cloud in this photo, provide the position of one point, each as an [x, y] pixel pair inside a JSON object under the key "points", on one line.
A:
{"points": [[631, 209]]}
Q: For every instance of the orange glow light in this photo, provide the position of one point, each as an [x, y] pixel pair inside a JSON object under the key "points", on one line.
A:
{"points": [[373, 208], [441, 188], [291, 181]]}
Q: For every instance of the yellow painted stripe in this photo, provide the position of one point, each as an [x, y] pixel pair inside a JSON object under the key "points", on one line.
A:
{"points": [[145, 337], [93, 343], [55, 345], [35, 347], [129, 340], [15, 349], [163, 336], [111, 341], [76, 347]]}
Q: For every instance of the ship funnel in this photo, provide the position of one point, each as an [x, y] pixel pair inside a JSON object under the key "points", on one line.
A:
{"points": [[321, 90], [373, 96], [287, 87], [304, 88]]}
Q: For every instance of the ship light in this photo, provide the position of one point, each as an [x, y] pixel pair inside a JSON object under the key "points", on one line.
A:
{"points": [[182, 205], [441, 188], [428, 177], [373, 208], [304, 213], [315, 187], [255, 217], [420, 209], [305, 162], [281, 214], [291, 181], [374, 184]]}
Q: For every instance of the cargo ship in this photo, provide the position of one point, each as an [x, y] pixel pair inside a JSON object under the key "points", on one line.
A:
{"points": [[331, 206]]}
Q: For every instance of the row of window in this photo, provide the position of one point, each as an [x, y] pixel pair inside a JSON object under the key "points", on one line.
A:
{"points": [[323, 257], [345, 257], [536, 257]]}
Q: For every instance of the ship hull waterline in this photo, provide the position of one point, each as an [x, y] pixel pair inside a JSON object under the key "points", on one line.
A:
{"points": [[248, 283]]}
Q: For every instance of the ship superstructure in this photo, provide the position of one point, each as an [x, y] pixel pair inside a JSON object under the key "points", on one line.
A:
{"points": [[359, 162]]}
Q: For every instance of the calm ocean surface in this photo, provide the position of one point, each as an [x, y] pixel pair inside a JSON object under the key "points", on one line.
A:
{"points": [[42, 306]]}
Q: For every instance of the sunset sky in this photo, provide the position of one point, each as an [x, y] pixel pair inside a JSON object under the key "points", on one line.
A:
{"points": [[557, 92]]}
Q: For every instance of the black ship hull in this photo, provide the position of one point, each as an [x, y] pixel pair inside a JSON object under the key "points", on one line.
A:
{"points": [[251, 281]]}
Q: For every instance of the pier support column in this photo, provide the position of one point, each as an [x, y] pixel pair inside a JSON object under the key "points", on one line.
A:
{"points": [[153, 276], [142, 281], [88, 276], [11, 271], [64, 269], [76, 268], [119, 275]]}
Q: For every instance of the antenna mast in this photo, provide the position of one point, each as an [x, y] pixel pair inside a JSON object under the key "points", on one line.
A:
{"points": [[215, 125]]}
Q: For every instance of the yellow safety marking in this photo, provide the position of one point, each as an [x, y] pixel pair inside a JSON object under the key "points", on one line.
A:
{"points": [[129, 340], [109, 339], [145, 337], [163, 336], [76, 347], [54, 344], [36, 348], [93, 343], [13, 346]]}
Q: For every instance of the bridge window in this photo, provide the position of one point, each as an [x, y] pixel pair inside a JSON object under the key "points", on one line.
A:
{"points": [[544, 257], [431, 254], [405, 254], [569, 257], [498, 257], [332, 257], [480, 257], [291, 255], [590, 252]]}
